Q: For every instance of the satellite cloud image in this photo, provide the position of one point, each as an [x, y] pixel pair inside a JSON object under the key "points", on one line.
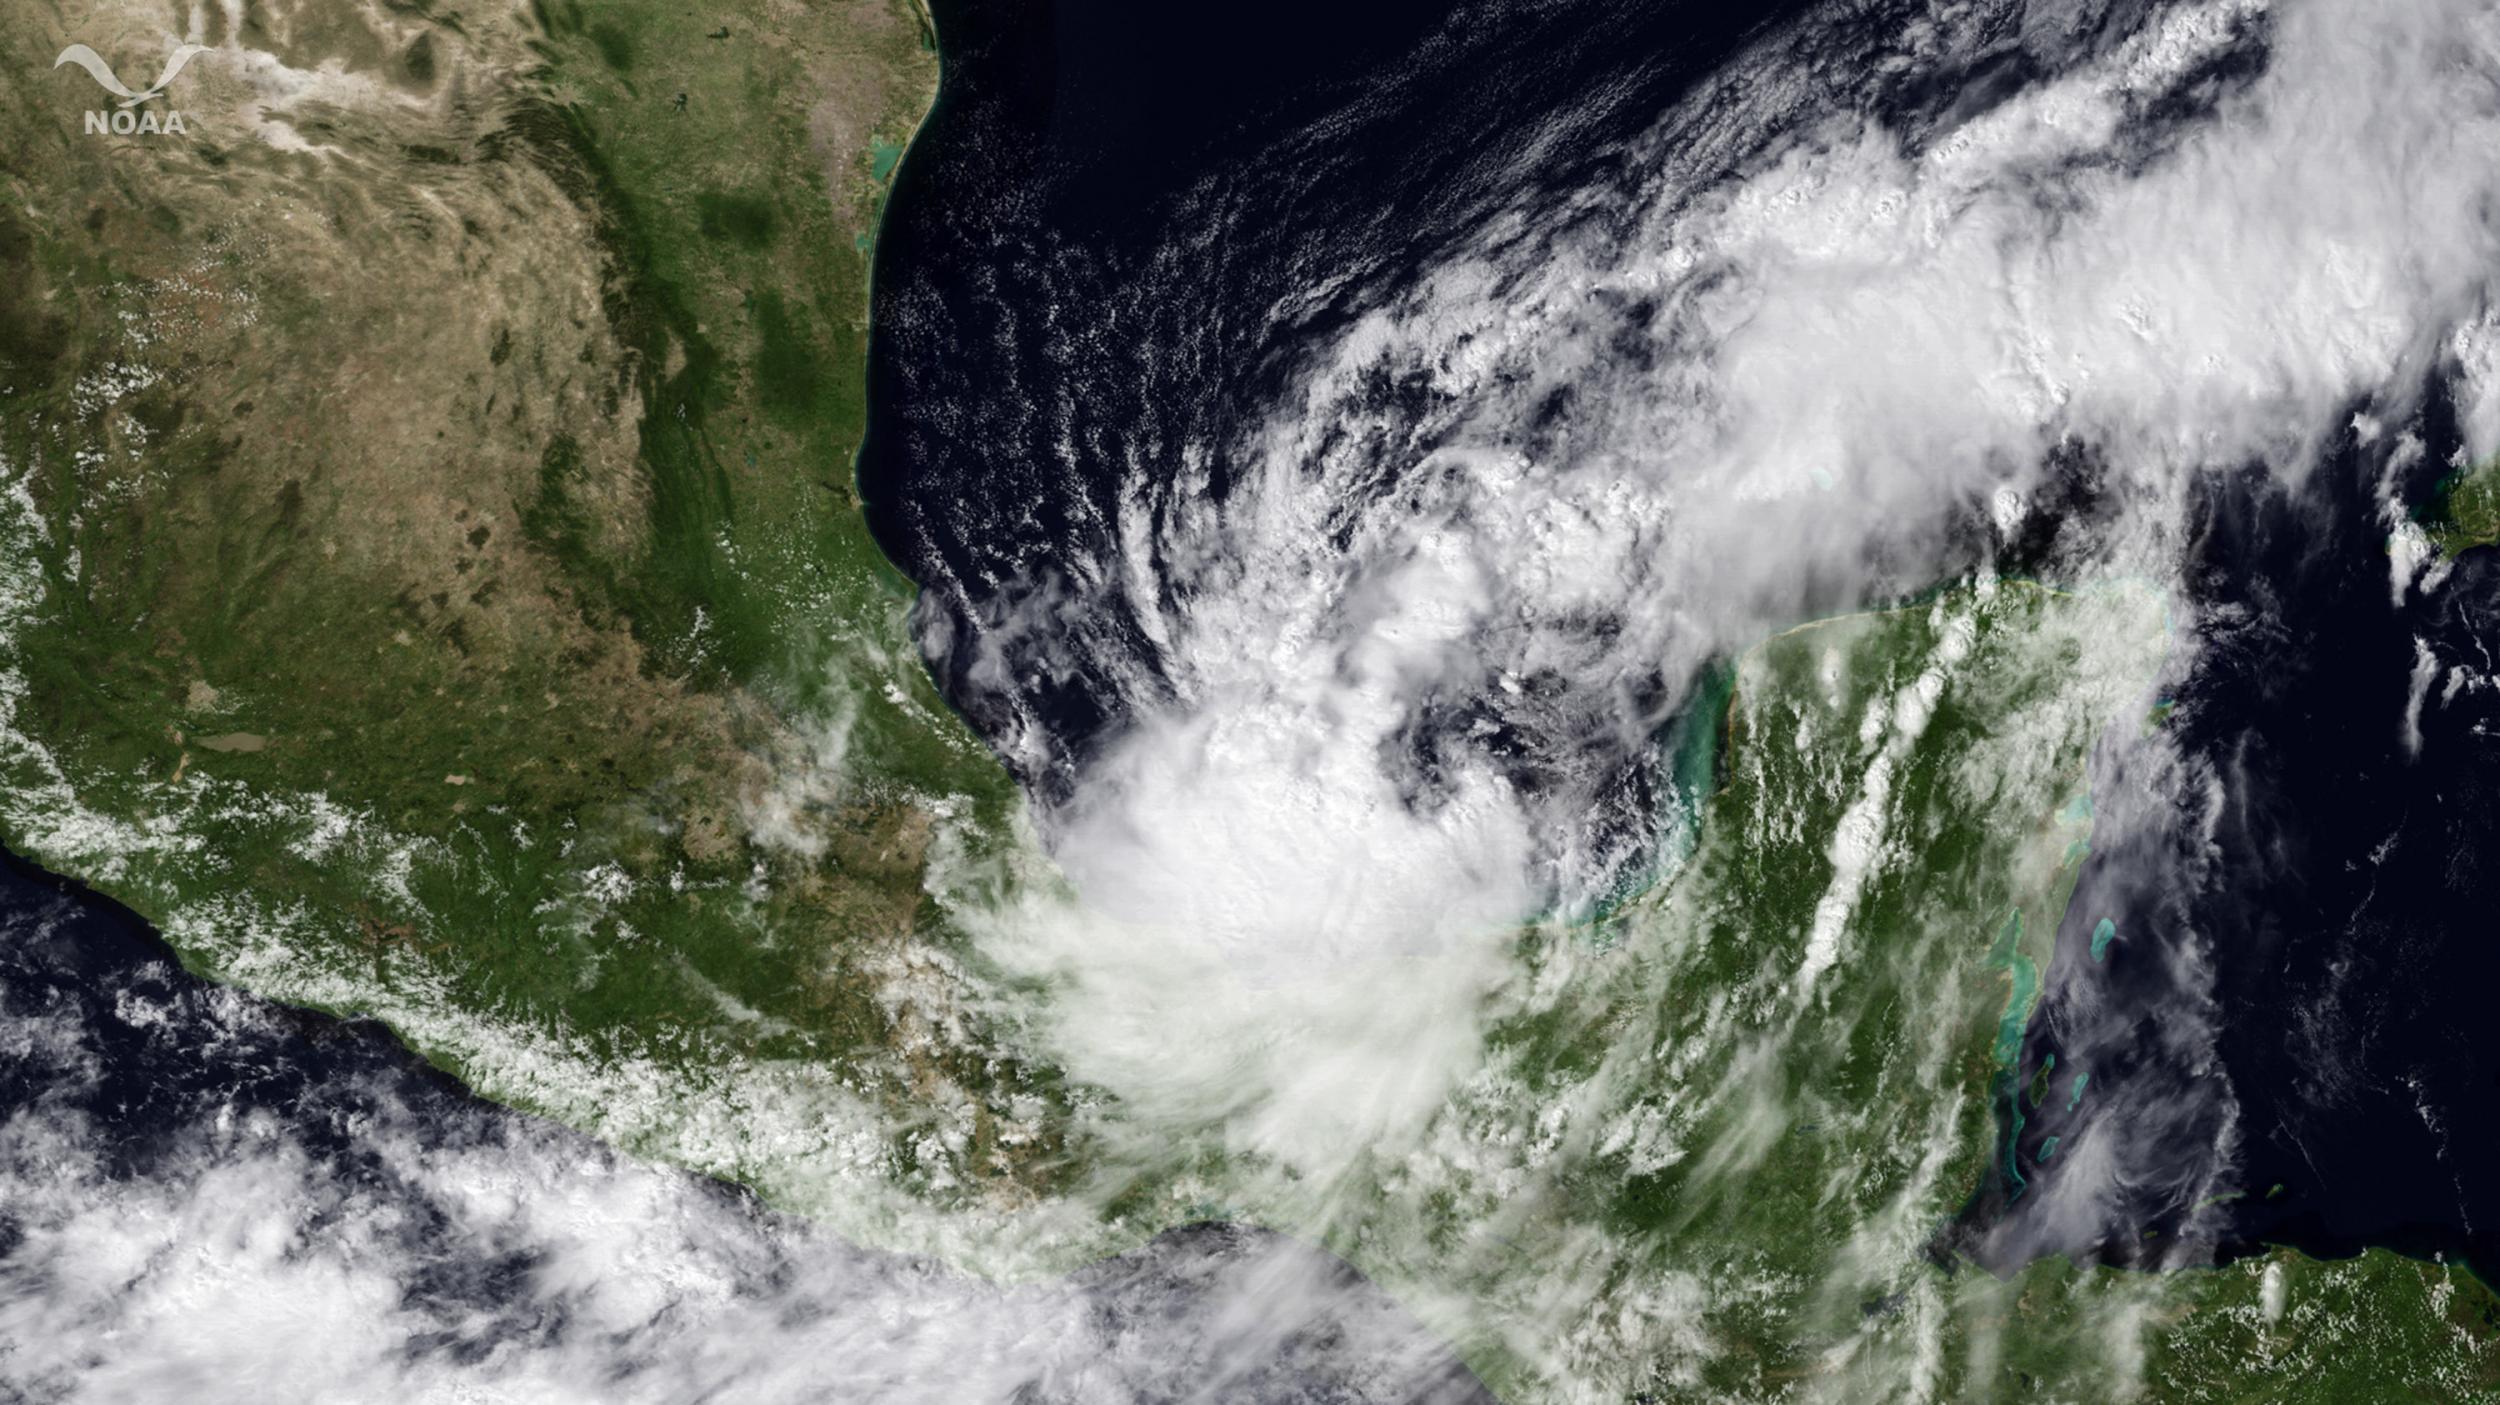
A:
{"points": [[1420, 702]]}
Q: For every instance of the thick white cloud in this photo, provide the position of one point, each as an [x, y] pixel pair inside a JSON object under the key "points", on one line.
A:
{"points": [[361, 1245], [1651, 423], [1402, 666]]}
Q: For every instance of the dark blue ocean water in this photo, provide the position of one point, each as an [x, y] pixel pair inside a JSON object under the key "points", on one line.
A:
{"points": [[1227, 160], [2303, 950], [2284, 1035], [2286, 1024], [256, 1148]]}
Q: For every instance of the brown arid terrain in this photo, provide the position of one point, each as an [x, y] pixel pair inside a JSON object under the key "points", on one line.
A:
{"points": [[436, 582]]}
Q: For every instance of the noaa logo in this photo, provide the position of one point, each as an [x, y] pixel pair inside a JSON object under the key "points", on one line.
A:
{"points": [[126, 122]]}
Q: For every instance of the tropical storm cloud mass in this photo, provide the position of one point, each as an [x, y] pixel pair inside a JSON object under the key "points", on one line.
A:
{"points": [[2042, 293], [1508, 702]]}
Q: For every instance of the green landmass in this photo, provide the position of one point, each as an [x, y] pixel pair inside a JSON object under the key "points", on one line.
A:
{"points": [[432, 586], [436, 571], [1731, 1183], [2465, 511]]}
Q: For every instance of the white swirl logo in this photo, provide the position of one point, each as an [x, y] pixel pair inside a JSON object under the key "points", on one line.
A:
{"points": [[125, 122]]}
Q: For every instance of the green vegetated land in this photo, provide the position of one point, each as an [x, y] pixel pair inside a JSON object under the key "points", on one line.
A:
{"points": [[432, 585], [2465, 513], [1716, 1140], [437, 578], [1798, 1148]]}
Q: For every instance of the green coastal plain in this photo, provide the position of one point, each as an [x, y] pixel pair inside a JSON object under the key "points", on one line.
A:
{"points": [[2464, 511], [433, 587], [436, 518]]}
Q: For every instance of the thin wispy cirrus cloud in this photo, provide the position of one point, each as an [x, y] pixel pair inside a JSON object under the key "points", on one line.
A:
{"points": [[1818, 348], [1802, 349]]}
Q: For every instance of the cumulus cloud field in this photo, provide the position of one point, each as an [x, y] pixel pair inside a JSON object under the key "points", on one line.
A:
{"points": [[1381, 916]]}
